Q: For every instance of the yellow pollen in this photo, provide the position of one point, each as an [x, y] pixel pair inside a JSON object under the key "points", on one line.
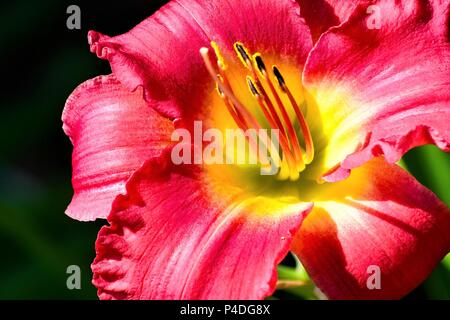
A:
{"points": [[220, 60]]}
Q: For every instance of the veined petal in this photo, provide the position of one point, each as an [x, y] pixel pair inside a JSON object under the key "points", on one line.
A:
{"points": [[380, 217], [113, 132], [173, 237], [383, 91], [161, 54], [321, 15]]}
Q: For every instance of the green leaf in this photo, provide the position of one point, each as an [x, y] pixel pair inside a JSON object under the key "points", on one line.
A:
{"points": [[308, 290]]}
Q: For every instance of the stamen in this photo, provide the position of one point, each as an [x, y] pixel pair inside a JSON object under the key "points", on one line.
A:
{"points": [[283, 141], [224, 80], [242, 126], [309, 144], [204, 52], [242, 53], [293, 139], [249, 118], [293, 161], [230, 108], [260, 64], [252, 87], [279, 77], [266, 97], [219, 91]]}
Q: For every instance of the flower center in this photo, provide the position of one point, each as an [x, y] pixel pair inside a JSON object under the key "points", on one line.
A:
{"points": [[292, 158]]}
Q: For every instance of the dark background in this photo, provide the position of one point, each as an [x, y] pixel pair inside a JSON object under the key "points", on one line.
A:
{"points": [[41, 63]]}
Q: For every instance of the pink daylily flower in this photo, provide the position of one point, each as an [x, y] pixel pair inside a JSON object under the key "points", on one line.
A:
{"points": [[366, 96]]}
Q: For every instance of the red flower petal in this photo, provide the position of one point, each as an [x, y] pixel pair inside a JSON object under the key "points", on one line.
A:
{"points": [[173, 237], [394, 81], [113, 132], [162, 53], [321, 15], [380, 216]]}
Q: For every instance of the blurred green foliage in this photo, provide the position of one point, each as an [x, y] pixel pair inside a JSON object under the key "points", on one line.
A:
{"points": [[43, 62], [431, 167]]}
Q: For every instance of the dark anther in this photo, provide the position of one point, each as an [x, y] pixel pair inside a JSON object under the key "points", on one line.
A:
{"points": [[279, 77], [242, 52], [260, 64], [252, 87]]}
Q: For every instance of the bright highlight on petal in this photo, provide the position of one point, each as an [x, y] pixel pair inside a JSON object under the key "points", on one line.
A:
{"points": [[113, 132]]}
